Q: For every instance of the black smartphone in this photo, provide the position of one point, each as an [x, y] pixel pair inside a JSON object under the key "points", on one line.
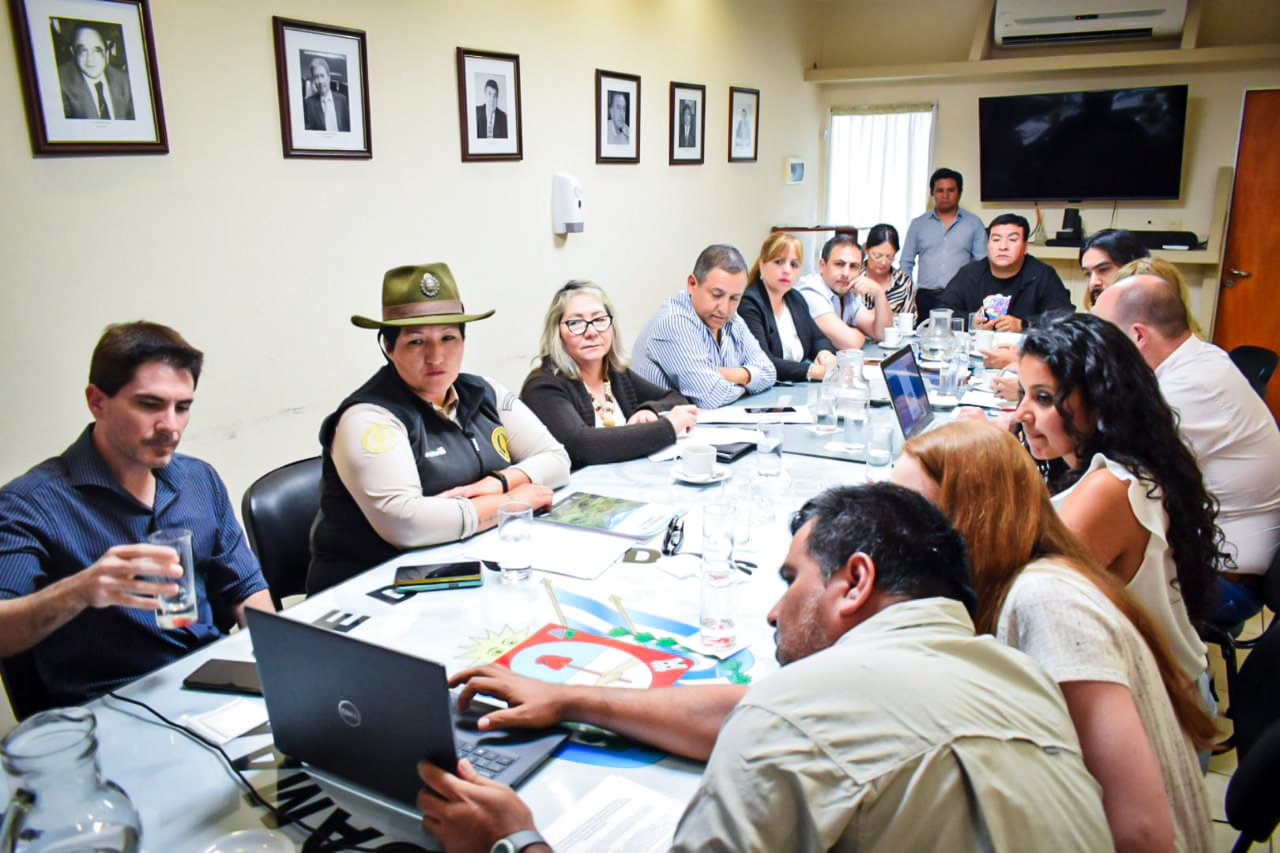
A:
{"points": [[438, 576], [225, 676], [770, 410]]}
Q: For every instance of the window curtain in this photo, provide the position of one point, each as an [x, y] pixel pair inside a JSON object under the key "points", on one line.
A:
{"points": [[879, 163]]}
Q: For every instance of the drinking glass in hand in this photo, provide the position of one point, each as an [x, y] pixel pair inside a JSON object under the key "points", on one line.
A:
{"points": [[515, 530], [177, 610]]}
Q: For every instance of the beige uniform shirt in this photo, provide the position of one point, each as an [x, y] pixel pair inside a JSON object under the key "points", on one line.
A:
{"points": [[909, 733]]}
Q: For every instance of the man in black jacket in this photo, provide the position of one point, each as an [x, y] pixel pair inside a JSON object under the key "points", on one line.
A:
{"points": [[1032, 286]]}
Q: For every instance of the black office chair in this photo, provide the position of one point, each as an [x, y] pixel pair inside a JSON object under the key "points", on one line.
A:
{"points": [[278, 511], [1257, 364], [23, 686], [1230, 643], [1252, 805]]}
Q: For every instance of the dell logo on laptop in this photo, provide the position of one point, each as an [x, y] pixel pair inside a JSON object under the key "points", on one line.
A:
{"points": [[349, 713]]}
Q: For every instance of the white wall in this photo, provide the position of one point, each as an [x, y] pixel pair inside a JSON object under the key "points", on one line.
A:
{"points": [[1213, 129], [260, 260]]}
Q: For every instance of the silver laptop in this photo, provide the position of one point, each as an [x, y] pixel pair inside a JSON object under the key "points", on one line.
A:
{"points": [[367, 714]]}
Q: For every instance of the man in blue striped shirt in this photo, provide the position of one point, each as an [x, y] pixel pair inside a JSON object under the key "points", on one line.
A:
{"points": [[695, 343], [75, 584]]}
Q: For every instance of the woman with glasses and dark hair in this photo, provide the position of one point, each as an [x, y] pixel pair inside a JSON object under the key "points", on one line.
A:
{"points": [[882, 249], [582, 390]]}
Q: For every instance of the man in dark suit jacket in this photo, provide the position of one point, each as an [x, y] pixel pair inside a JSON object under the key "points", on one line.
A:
{"points": [[491, 106], [313, 105], [91, 86]]}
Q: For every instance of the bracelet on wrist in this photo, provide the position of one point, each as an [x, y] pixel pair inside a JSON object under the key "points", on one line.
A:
{"points": [[506, 487]]}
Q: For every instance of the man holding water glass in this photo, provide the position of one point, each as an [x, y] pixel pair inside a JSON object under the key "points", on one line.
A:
{"points": [[78, 584]]}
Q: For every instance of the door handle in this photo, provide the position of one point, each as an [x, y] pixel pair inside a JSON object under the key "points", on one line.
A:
{"points": [[1240, 273]]}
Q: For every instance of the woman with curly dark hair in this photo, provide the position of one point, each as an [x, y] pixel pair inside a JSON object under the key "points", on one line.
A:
{"points": [[1123, 480]]}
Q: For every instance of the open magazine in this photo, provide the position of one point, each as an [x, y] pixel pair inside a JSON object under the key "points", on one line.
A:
{"points": [[636, 519]]}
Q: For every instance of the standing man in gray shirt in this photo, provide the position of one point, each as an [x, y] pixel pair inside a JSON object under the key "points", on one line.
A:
{"points": [[945, 238]]}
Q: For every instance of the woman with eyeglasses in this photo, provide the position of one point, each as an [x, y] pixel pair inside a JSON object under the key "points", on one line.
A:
{"points": [[582, 390], [882, 248]]}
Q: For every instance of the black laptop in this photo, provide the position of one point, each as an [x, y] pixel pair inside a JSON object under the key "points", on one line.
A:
{"points": [[367, 715]]}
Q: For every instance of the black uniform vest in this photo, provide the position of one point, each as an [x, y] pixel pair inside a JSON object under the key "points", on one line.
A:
{"points": [[343, 543]]}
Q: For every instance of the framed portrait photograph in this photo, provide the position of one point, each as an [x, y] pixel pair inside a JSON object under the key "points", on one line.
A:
{"points": [[744, 124], [323, 76], [688, 123], [489, 105], [89, 76], [617, 117]]}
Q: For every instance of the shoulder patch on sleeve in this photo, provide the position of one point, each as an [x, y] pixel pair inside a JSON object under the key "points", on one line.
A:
{"points": [[509, 401], [379, 438]]}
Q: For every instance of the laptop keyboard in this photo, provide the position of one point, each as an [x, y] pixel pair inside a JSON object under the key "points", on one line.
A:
{"points": [[488, 762]]}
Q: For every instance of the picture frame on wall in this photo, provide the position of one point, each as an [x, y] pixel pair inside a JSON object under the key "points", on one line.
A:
{"points": [[617, 117], [744, 124], [322, 72], [89, 76], [489, 117], [688, 113]]}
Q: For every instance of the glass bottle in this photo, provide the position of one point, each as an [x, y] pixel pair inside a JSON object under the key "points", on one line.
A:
{"points": [[60, 802]]}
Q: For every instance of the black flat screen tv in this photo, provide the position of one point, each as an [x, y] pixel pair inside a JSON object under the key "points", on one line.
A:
{"points": [[1106, 145]]}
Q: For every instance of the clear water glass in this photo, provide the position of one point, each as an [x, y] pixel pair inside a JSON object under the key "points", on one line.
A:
{"points": [[177, 610], [717, 613], [880, 454], [855, 425], [717, 530], [769, 448], [515, 531]]}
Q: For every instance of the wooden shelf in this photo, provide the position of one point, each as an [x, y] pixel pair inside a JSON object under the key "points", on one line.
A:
{"points": [[1200, 257], [1153, 58]]}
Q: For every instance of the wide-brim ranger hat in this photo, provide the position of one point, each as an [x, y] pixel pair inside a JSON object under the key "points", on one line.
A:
{"points": [[422, 295]]}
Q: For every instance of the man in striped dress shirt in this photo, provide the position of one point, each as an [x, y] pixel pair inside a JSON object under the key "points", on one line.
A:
{"points": [[695, 343], [75, 584]]}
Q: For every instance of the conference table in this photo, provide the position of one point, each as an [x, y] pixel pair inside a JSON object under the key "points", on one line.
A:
{"points": [[187, 797]]}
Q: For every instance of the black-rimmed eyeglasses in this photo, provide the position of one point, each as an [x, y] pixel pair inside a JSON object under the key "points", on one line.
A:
{"points": [[579, 327]]}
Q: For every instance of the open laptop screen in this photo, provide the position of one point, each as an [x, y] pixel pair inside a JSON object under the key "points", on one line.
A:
{"points": [[907, 392]]}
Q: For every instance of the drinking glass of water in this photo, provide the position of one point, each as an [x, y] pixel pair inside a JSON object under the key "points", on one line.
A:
{"points": [[515, 530], [177, 610], [880, 454], [716, 611], [855, 424], [769, 448]]}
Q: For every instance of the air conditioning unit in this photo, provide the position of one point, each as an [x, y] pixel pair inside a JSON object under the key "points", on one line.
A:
{"points": [[1034, 22]]}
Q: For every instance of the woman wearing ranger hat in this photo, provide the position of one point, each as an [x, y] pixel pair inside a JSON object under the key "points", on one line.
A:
{"points": [[421, 453]]}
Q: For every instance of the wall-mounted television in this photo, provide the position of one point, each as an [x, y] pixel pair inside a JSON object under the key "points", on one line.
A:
{"points": [[1113, 144]]}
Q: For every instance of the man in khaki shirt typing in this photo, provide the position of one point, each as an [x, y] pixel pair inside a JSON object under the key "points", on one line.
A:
{"points": [[890, 727]]}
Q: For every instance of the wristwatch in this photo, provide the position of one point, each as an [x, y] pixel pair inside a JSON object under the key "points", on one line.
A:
{"points": [[517, 841]]}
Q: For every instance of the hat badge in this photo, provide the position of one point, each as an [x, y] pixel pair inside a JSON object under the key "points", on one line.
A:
{"points": [[430, 286]]}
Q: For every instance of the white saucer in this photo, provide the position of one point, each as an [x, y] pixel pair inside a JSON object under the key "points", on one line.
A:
{"points": [[251, 841], [720, 473]]}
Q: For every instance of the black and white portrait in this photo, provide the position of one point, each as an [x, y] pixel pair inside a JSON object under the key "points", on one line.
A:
{"points": [[325, 105], [688, 123], [94, 72], [323, 79], [617, 117], [744, 124], [89, 76], [489, 105], [491, 113]]}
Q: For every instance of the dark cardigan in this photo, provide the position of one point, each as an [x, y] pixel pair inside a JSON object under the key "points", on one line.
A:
{"points": [[758, 314], [564, 405]]}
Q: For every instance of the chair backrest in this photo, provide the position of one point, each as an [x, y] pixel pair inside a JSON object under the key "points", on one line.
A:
{"points": [[278, 511], [1257, 364], [23, 686], [1271, 585], [1255, 701], [1251, 804]]}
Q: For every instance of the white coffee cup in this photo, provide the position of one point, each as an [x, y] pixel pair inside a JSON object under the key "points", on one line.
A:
{"points": [[892, 336], [904, 322], [984, 338], [698, 461]]}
